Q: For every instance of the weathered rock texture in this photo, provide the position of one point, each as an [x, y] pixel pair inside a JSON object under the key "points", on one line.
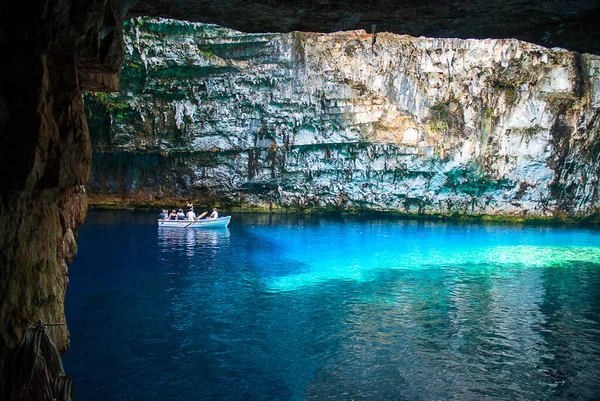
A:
{"points": [[51, 51], [348, 121]]}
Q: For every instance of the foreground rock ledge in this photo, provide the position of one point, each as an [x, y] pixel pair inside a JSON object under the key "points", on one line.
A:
{"points": [[52, 51]]}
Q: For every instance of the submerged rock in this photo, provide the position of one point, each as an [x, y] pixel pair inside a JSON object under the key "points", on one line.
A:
{"points": [[348, 121]]}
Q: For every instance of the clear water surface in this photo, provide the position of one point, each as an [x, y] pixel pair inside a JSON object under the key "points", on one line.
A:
{"points": [[326, 308]]}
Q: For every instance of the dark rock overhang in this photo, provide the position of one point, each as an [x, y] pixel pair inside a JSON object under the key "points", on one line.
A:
{"points": [[552, 23]]}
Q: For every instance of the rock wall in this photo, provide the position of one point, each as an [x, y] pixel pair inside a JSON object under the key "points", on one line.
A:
{"points": [[51, 51], [347, 121]]}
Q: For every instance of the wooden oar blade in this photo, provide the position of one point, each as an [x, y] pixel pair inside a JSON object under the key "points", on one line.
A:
{"points": [[197, 218]]}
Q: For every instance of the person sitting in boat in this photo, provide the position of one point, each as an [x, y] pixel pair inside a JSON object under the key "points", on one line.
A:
{"points": [[213, 215], [191, 215], [163, 215], [190, 206], [180, 215], [173, 215]]}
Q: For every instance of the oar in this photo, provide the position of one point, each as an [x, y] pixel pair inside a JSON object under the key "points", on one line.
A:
{"points": [[197, 218]]}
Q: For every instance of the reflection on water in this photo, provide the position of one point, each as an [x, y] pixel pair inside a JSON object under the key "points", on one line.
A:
{"points": [[192, 240], [293, 308]]}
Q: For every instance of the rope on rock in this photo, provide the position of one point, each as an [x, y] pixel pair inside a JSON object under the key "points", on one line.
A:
{"points": [[38, 369]]}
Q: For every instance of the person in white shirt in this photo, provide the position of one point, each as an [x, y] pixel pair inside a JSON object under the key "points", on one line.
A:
{"points": [[213, 215], [191, 215]]}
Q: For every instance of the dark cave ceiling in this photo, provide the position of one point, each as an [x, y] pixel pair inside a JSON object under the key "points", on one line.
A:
{"points": [[552, 23]]}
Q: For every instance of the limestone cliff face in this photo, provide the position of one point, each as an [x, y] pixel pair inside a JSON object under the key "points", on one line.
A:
{"points": [[348, 121]]}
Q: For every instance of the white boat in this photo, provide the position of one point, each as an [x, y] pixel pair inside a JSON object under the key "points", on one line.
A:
{"points": [[202, 223]]}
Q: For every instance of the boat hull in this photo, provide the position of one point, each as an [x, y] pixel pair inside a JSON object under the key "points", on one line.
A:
{"points": [[202, 223]]}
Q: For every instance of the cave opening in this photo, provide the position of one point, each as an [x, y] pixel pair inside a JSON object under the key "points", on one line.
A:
{"points": [[60, 49]]}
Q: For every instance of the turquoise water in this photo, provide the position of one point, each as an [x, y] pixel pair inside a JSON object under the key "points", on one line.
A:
{"points": [[291, 308]]}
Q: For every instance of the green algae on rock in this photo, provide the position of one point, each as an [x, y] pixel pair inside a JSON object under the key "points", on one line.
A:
{"points": [[307, 121]]}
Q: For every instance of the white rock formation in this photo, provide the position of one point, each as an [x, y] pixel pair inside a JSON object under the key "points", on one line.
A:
{"points": [[345, 120]]}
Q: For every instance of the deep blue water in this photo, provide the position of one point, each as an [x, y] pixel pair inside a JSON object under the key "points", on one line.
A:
{"points": [[291, 308]]}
